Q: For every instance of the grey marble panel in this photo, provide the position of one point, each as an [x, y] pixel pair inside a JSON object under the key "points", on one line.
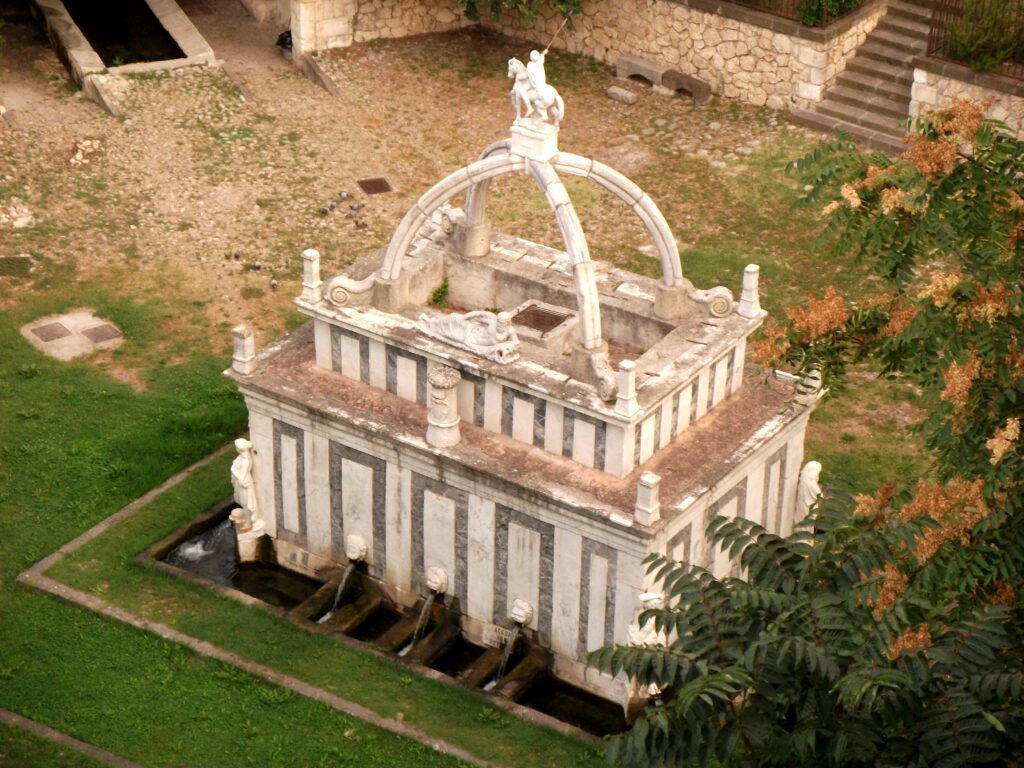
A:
{"points": [[420, 484], [738, 492], [540, 408], [684, 537], [338, 452], [694, 394], [592, 549], [778, 459], [337, 334], [502, 517], [479, 396], [569, 418], [294, 537], [391, 355]]}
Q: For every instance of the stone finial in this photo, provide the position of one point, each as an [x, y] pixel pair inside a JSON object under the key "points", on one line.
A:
{"points": [[311, 285], [648, 503], [355, 548], [443, 412], [522, 612], [626, 403], [244, 354], [437, 579], [750, 301], [809, 387]]}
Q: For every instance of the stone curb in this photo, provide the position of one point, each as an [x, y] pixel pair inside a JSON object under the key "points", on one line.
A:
{"points": [[312, 69], [48, 733], [34, 577]]}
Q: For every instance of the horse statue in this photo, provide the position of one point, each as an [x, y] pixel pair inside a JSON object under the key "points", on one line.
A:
{"points": [[532, 97]]}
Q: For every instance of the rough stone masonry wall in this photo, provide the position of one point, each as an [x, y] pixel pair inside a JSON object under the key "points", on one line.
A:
{"points": [[742, 54], [937, 86], [318, 25]]}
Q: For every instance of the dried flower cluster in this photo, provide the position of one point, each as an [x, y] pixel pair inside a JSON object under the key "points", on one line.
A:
{"points": [[931, 157], [875, 507], [957, 507], [940, 287], [893, 585], [893, 199], [1002, 594], [962, 120], [959, 124], [910, 641], [1003, 439], [960, 379], [849, 193], [900, 319], [988, 305], [767, 350], [821, 316]]}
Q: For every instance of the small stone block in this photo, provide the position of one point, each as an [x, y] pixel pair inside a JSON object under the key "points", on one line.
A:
{"points": [[102, 333], [615, 93], [51, 332]]}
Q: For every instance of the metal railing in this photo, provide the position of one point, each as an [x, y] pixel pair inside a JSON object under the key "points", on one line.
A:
{"points": [[812, 13], [986, 35]]}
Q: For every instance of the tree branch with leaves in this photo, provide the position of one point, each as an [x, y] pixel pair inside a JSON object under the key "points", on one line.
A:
{"points": [[887, 629]]}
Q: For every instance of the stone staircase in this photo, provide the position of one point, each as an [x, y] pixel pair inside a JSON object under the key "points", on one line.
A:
{"points": [[871, 97]]}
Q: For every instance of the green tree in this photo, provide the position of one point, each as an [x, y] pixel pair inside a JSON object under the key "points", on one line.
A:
{"points": [[887, 629]]}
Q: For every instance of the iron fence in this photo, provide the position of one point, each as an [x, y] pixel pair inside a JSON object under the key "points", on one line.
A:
{"points": [[986, 35], [812, 13]]}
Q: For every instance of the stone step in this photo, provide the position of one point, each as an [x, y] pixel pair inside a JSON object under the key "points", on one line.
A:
{"points": [[896, 42], [920, 14], [909, 18], [876, 51], [871, 83], [903, 26], [875, 139], [862, 116], [897, 75], [876, 103]]}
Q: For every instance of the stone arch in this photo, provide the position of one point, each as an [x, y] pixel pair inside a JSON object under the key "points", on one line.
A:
{"points": [[480, 172], [608, 178]]}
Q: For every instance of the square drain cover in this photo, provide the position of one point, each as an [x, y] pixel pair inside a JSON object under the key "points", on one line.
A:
{"points": [[374, 186], [540, 318], [51, 332], [101, 333]]}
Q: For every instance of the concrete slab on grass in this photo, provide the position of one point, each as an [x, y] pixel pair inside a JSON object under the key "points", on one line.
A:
{"points": [[72, 334]]}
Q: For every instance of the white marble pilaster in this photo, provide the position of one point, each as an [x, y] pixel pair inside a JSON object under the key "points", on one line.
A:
{"points": [[480, 559]]}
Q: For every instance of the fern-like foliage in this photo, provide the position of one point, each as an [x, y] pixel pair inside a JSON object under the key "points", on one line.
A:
{"points": [[886, 630]]}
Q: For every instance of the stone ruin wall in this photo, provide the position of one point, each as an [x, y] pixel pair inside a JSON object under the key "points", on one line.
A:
{"points": [[737, 57], [937, 90], [780, 66], [319, 25]]}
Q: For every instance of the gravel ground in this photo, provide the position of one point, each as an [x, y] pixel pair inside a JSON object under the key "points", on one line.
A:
{"points": [[214, 179]]}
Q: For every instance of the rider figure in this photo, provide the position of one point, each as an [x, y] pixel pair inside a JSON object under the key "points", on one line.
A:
{"points": [[535, 72]]}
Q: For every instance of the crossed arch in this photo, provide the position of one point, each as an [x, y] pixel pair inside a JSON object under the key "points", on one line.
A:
{"points": [[498, 160]]}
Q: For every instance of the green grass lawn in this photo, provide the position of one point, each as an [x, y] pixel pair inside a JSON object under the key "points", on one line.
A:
{"points": [[20, 749], [77, 446]]}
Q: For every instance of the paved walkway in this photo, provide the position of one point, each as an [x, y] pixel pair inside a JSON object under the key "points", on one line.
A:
{"points": [[46, 732]]}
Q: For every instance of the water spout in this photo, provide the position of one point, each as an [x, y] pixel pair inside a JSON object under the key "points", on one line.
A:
{"points": [[421, 624], [345, 576], [509, 647], [521, 615]]}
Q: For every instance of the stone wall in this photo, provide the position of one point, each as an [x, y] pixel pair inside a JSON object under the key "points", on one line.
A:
{"points": [[741, 53], [321, 24], [937, 83]]}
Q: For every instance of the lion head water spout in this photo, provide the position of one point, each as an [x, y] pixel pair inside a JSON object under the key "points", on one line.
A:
{"points": [[437, 583]]}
